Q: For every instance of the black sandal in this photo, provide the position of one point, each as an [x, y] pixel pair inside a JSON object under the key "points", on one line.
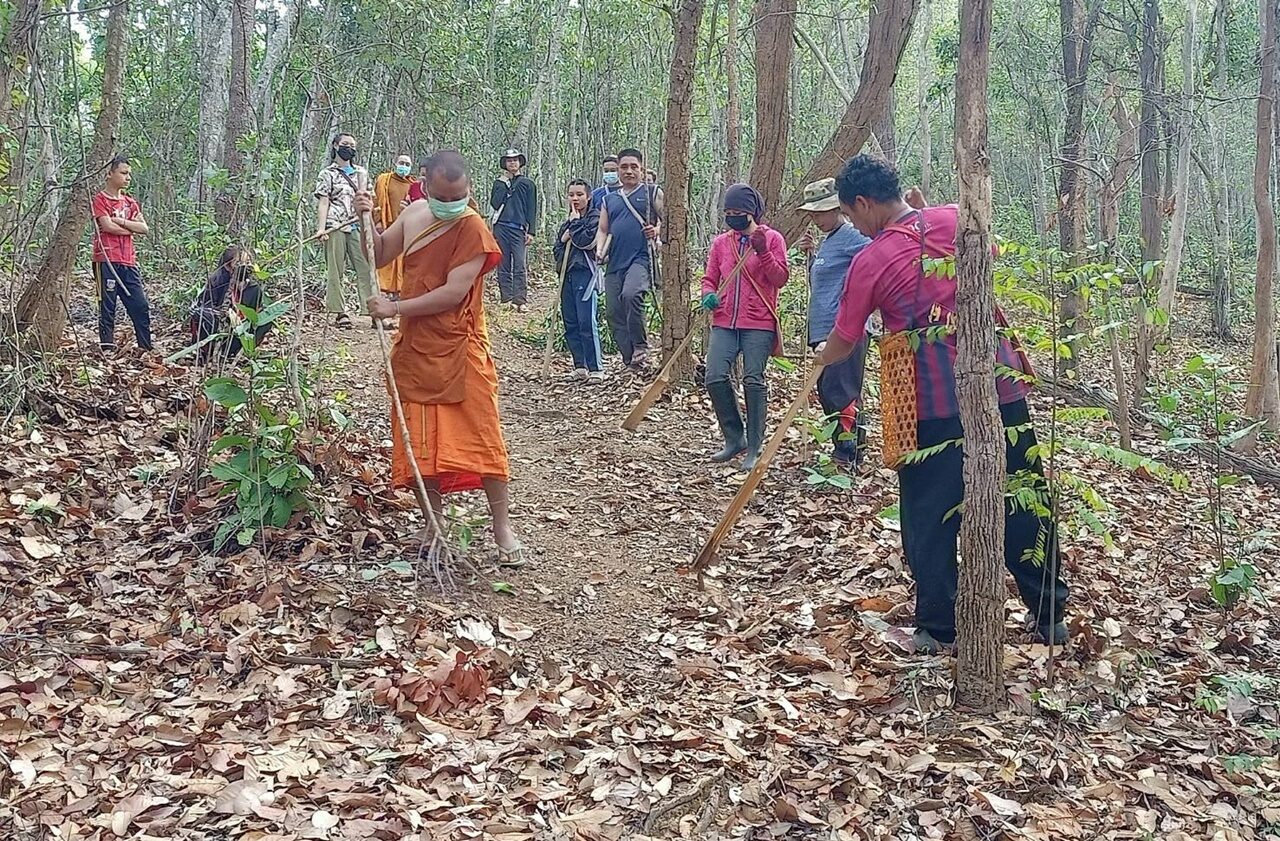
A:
{"points": [[343, 320]]}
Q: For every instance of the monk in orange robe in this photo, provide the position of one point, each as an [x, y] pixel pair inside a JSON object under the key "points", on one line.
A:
{"points": [[390, 190], [441, 357]]}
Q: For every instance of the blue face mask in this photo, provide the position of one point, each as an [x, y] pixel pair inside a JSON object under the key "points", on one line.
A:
{"points": [[610, 177], [447, 210], [402, 170]]}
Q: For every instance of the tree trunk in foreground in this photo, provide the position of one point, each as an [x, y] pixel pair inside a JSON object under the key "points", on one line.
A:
{"points": [[1262, 401], [235, 200], [42, 309], [888, 32], [981, 594], [775, 45], [676, 319], [1149, 175]]}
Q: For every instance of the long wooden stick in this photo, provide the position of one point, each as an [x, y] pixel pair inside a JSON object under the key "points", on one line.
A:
{"points": [[301, 242], [439, 543], [659, 385], [550, 346], [748, 488]]}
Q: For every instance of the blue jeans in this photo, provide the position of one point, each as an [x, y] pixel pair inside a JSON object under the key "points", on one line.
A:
{"points": [[578, 306]]}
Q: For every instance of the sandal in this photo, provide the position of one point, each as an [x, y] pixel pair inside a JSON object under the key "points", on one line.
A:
{"points": [[512, 558], [343, 320]]}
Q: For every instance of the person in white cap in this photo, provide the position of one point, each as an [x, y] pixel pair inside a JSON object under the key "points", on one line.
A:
{"points": [[514, 200], [840, 386]]}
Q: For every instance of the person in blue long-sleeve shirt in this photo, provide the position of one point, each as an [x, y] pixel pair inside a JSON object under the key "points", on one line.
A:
{"points": [[514, 200], [580, 290]]}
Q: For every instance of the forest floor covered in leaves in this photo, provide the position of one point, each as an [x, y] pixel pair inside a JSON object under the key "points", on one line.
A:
{"points": [[150, 688]]}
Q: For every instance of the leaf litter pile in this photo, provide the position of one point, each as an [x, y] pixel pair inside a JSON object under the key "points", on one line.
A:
{"points": [[150, 688]]}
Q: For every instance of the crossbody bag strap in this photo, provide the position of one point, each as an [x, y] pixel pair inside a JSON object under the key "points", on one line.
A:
{"points": [[632, 208]]}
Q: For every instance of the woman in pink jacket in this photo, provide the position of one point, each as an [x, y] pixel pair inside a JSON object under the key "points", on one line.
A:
{"points": [[745, 269]]}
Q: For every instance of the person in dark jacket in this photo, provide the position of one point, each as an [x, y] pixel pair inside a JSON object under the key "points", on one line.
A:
{"points": [[217, 307], [514, 200], [578, 292]]}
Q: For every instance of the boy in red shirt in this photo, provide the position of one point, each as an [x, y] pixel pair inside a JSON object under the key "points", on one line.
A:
{"points": [[117, 219]]}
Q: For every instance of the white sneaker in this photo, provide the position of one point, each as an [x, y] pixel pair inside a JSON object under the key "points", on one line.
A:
{"points": [[580, 373], [597, 376]]}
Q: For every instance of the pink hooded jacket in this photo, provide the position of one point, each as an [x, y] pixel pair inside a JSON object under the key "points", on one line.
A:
{"points": [[741, 305]]}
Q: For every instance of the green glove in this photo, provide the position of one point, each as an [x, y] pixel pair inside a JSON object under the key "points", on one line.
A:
{"points": [[710, 301]]}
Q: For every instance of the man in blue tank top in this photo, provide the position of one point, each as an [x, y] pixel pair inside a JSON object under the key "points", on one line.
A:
{"points": [[630, 224]]}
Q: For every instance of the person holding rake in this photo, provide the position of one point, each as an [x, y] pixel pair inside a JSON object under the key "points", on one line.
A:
{"points": [[746, 268]]}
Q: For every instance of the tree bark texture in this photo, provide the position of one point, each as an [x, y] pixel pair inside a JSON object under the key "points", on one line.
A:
{"points": [[888, 33], [775, 46], [733, 108], [42, 309], [1182, 175], [235, 200], [556, 24], [1149, 176], [213, 40], [924, 77], [676, 318], [17, 52], [1262, 400], [1122, 166], [981, 590], [1077, 53], [1219, 185]]}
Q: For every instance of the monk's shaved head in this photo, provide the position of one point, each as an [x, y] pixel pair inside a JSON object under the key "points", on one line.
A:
{"points": [[447, 176]]}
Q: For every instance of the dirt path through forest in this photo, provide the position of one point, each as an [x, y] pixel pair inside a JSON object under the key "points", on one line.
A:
{"points": [[608, 514]]}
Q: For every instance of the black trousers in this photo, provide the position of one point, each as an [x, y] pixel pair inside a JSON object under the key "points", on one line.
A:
{"points": [[206, 321], [839, 387], [116, 281], [934, 487]]}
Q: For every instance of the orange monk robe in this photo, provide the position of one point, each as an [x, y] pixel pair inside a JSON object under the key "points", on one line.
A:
{"points": [[389, 190], [445, 372]]}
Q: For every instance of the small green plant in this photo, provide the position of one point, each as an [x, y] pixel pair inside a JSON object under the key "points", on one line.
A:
{"points": [[826, 472], [260, 464]]}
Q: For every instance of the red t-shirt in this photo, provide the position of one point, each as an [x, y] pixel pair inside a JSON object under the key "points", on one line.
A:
{"points": [[109, 247], [886, 276], [416, 193]]}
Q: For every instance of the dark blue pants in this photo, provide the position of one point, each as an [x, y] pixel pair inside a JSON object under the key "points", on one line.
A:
{"points": [[578, 307], [115, 281], [839, 387], [931, 490], [513, 271]]}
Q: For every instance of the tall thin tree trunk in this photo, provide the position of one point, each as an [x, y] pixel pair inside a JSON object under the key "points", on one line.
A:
{"points": [[277, 46], [1122, 166], [1149, 175], [213, 68], [1219, 186], [981, 589], [885, 132], [42, 309], [733, 109], [889, 31], [235, 200], [676, 320], [775, 45], [16, 52], [924, 78], [1077, 52], [1262, 400], [1182, 177], [556, 24]]}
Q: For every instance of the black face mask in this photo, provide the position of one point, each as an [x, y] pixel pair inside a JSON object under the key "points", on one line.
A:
{"points": [[738, 223], [347, 153]]}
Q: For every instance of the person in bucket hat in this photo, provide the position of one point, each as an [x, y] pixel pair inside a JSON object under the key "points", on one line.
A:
{"points": [[840, 385], [514, 200]]}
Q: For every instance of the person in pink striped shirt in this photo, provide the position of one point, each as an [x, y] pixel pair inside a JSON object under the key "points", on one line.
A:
{"points": [[746, 269]]}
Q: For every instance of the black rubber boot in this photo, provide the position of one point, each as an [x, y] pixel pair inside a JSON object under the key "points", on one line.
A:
{"points": [[757, 415], [725, 403]]}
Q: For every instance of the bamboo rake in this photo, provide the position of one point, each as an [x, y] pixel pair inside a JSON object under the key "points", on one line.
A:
{"points": [[441, 555], [748, 487], [550, 346]]}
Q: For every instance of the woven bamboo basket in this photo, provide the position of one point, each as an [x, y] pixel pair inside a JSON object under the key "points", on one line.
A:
{"points": [[897, 397]]}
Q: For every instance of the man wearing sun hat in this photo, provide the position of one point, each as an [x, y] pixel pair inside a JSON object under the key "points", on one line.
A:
{"points": [[840, 386], [514, 200]]}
